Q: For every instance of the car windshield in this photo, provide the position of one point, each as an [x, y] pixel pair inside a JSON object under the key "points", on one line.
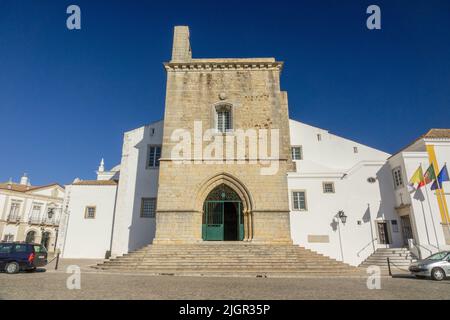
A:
{"points": [[438, 256]]}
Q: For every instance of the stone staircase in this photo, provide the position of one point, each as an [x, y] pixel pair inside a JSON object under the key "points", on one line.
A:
{"points": [[228, 259], [400, 259]]}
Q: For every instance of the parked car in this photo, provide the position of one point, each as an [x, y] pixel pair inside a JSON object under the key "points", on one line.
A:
{"points": [[17, 256], [436, 266]]}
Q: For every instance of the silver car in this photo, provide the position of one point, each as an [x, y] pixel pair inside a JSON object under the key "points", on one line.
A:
{"points": [[436, 266]]}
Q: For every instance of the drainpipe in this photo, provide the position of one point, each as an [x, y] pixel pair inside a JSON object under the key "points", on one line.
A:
{"points": [[113, 223]]}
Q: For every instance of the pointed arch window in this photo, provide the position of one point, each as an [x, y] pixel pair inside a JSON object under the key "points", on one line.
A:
{"points": [[224, 120]]}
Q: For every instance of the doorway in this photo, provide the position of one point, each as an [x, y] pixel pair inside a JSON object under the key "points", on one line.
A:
{"points": [[45, 241], [383, 234], [31, 237], [222, 216], [406, 229], [231, 221]]}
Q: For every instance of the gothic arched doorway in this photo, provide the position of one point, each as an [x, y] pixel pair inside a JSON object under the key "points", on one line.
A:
{"points": [[223, 218]]}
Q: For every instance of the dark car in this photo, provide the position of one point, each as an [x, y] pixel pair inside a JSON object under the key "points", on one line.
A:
{"points": [[17, 256]]}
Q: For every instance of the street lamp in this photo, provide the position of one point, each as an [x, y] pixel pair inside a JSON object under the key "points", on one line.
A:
{"points": [[342, 216]]}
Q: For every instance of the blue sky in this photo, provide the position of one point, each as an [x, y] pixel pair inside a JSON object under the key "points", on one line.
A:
{"points": [[66, 97]]}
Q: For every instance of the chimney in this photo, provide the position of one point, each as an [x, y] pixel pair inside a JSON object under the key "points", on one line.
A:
{"points": [[181, 50], [24, 180]]}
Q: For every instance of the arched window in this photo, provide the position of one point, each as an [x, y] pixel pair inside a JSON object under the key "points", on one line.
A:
{"points": [[223, 118], [31, 236]]}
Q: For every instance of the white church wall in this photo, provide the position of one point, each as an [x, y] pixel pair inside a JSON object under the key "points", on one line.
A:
{"points": [[316, 228], [137, 181], [331, 152], [84, 237], [332, 159]]}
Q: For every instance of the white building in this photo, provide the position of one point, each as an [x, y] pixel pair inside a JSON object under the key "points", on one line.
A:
{"points": [[30, 213], [345, 199], [133, 227], [105, 217], [335, 174], [423, 213]]}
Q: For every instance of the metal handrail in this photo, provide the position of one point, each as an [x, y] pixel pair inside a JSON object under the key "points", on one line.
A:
{"points": [[34, 220], [50, 221], [364, 248], [420, 252]]}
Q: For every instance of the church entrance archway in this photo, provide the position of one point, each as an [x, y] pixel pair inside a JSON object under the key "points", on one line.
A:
{"points": [[223, 218]]}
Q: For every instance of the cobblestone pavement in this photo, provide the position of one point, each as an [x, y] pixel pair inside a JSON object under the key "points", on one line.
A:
{"points": [[99, 285]]}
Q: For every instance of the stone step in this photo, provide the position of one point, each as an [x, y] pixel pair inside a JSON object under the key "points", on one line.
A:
{"points": [[400, 257], [229, 265], [405, 266], [393, 256], [253, 270], [274, 256], [254, 262], [240, 262], [382, 254], [374, 259], [214, 257], [229, 259]]}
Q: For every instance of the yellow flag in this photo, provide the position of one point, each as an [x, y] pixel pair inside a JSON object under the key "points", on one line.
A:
{"points": [[417, 177]]}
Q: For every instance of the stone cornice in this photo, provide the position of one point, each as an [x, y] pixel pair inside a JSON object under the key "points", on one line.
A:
{"points": [[224, 66], [31, 196]]}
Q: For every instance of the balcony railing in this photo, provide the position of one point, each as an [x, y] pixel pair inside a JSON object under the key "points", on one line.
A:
{"points": [[13, 218], [50, 221], [34, 220]]}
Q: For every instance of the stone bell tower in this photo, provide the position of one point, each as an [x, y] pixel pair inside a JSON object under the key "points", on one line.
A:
{"points": [[226, 97]]}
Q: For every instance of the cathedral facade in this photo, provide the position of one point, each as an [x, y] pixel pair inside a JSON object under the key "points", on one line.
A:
{"points": [[227, 164]]}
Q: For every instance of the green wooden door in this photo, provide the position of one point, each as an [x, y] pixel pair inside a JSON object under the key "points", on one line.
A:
{"points": [[213, 224], [213, 229], [213, 221]]}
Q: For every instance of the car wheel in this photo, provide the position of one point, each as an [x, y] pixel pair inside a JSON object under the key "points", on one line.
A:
{"points": [[437, 274], [12, 267]]}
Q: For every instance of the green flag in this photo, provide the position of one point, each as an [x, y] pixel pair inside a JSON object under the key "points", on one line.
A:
{"points": [[429, 175]]}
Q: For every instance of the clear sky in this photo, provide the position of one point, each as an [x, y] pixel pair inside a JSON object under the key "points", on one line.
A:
{"points": [[66, 97]]}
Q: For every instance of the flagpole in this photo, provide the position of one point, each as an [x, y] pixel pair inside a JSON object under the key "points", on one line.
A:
{"points": [[431, 211], [421, 204], [442, 200]]}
